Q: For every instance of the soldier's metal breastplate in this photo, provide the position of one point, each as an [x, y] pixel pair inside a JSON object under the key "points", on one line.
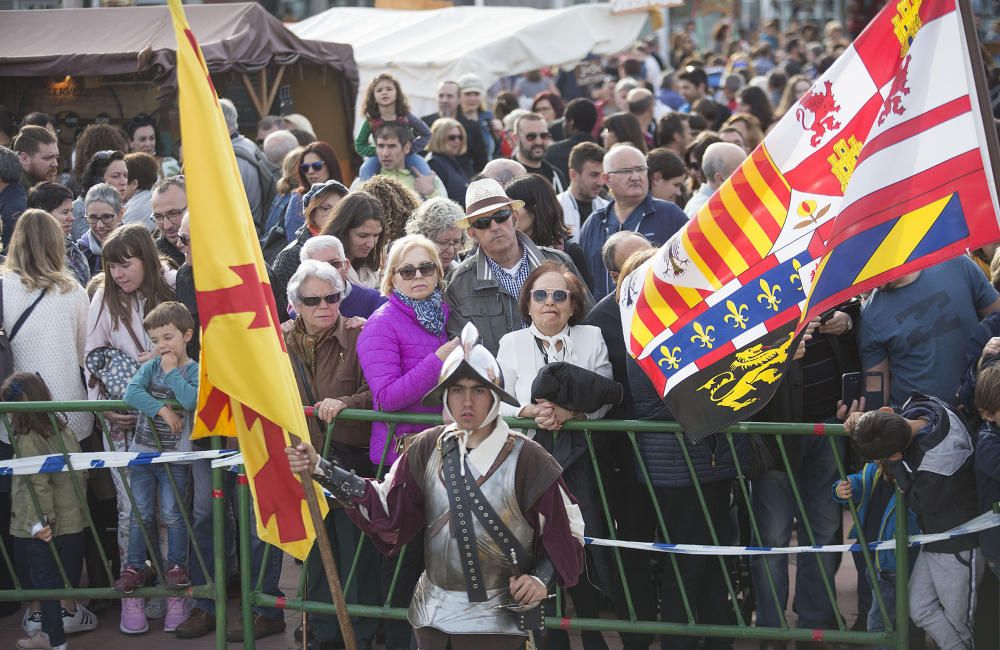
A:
{"points": [[440, 599], [441, 548]]}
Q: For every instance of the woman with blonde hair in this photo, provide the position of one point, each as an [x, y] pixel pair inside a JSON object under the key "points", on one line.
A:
{"points": [[288, 182], [448, 142], [51, 337]]}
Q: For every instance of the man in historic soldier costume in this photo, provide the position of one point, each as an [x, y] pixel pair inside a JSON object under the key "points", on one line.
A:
{"points": [[499, 523]]}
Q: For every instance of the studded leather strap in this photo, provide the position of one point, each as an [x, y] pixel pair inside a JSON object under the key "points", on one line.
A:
{"points": [[467, 505]]}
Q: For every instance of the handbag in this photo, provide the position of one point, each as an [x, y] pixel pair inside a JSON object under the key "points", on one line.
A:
{"points": [[113, 369], [6, 351]]}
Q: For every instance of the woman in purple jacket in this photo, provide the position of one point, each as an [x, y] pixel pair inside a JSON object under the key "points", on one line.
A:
{"points": [[401, 350], [404, 342]]}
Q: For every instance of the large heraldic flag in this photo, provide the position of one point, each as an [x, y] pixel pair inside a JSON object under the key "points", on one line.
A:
{"points": [[247, 385], [882, 168]]}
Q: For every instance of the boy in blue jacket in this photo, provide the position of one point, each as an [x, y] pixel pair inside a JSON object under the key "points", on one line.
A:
{"points": [[988, 454], [874, 495], [171, 375]]}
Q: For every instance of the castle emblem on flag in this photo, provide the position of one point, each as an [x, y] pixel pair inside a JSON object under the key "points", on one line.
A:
{"points": [[844, 159], [906, 23], [733, 388], [822, 106]]}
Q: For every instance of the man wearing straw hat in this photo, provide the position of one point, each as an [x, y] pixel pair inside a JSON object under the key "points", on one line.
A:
{"points": [[485, 287]]}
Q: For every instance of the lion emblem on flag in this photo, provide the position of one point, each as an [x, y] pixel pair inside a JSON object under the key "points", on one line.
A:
{"points": [[756, 364], [822, 106]]}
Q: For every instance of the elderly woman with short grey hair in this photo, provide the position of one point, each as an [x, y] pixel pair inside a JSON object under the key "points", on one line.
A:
{"points": [[103, 209], [358, 303], [329, 377], [435, 219]]}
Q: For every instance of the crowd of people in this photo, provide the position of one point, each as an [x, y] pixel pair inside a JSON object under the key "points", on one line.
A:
{"points": [[516, 209]]}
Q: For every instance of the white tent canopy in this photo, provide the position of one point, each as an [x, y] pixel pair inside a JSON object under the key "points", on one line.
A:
{"points": [[423, 48]]}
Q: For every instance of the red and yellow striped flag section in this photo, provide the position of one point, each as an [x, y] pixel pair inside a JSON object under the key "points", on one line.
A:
{"points": [[247, 385]]}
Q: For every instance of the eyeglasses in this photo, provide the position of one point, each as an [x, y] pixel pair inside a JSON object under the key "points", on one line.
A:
{"points": [[106, 219], [483, 223], [451, 243], [173, 216], [313, 301], [337, 264], [184, 239], [541, 295], [408, 272], [316, 166], [456, 137], [628, 171], [541, 135]]}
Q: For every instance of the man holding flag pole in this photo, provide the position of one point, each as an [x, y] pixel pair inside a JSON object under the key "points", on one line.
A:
{"points": [[251, 396]]}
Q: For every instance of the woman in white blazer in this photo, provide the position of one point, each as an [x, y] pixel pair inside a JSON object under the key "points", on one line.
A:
{"points": [[552, 304]]}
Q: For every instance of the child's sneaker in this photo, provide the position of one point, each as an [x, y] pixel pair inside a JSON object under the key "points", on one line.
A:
{"points": [[177, 577], [82, 620], [36, 641], [32, 621], [156, 608], [176, 613], [131, 578], [133, 616]]}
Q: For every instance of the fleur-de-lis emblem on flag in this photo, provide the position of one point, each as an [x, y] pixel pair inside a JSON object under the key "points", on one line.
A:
{"points": [[770, 295], [703, 336], [738, 315], [794, 278], [671, 357]]}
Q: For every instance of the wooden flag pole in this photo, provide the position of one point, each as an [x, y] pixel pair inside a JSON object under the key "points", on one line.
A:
{"points": [[326, 554]]}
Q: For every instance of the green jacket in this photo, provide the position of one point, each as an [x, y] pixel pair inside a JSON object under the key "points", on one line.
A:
{"points": [[56, 497]]}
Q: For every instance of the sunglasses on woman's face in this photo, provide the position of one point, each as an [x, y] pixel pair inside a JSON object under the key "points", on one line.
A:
{"points": [[541, 295], [313, 301], [408, 272], [483, 223], [316, 166], [455, 137]]}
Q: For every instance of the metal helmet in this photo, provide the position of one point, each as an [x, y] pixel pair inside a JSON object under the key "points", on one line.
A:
{"points": [[469, 360]]}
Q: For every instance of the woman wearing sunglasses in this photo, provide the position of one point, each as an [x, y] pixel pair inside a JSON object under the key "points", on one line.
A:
{"points": [[402, 348], [318, 163], [447, 143], [552, 301], [325, 360]]}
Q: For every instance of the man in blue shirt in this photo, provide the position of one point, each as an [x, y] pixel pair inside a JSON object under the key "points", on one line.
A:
{"points": [[633, 208]]}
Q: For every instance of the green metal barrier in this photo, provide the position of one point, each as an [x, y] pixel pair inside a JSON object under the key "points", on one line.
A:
{"points": [[213, 590], [897, 627], [896, 634]]}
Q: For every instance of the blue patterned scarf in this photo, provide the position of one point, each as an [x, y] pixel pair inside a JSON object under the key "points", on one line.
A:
{"points": [[429, 311]]}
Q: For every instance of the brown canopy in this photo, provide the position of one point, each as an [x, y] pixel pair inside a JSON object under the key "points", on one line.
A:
{"points": [[233, 37]]}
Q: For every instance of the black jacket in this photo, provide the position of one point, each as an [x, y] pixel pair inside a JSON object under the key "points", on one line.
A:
{"points": [[170, 251], [608, 318], [285, 265], [557, 154], [937, 472], [475, 146], [185, 293], [453, 173]]}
